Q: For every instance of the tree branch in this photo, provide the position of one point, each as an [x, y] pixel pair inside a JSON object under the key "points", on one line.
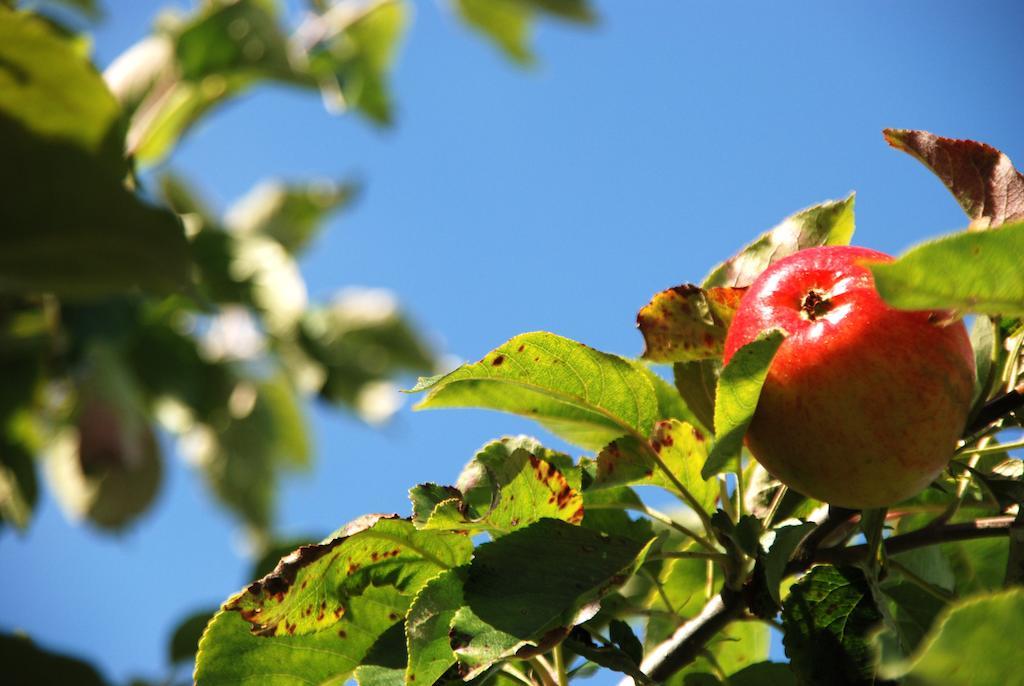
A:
{"points": [[996, 410]]}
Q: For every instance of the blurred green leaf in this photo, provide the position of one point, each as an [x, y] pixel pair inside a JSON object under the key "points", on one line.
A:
{"points": [[739, 388], [107, 467], [351, 61], [738, 647], [291, 214], [29, 665], [186, 635], [507, 23], [585, 396], [687, 323], [427, 626], [70, 225], [683, 448], [522, 486], [974, 271], [758, 674], [982, 179], [827, 619], [310, 590], [362, 340], [88, 8], [19, 487], [830, 223], [973, 643]]}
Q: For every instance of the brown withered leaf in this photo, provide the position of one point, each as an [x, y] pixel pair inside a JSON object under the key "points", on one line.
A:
{"points": [[687, 322], [982, 179]]}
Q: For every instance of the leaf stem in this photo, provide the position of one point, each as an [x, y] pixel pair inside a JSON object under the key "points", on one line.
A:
{"points": [[563, 677], [543, 669], [773, 507], [988, 450]]}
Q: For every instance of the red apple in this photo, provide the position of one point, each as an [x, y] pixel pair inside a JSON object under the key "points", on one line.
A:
{"points": [[863, 404]]}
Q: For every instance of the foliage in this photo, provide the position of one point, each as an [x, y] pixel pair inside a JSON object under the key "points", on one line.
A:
{"points": [[851, 615], [534, 566]]}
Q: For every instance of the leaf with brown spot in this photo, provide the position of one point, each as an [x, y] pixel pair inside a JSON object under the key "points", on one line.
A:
{"points": [[310, 590], [682, 447], [830, 223], [687, 323], [982, 179], [510, 484]]}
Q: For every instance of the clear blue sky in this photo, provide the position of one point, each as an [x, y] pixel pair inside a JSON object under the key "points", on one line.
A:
{"points": [[632, 158]]}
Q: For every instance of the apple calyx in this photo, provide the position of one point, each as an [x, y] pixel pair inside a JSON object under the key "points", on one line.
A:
{"points": [[814, 305]]}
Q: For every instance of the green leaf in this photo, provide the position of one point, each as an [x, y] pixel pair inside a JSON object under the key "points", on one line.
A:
{"points": [[375, 675], [536, 579], [973, 643], [427, 626], [352, 62], [982, 179], [586, 397], [739, 388], [507, 23], [312, 589], [621, 656], [361, 340], [696, 382], [682, 448], [230, 654], [19, 486], [29, 664], [687, 323], [520, 484], [915, 612], [784, 543], [186, 635], [974, 271], [59, 122], [830, 223], [604, 511], [670, 403], [759, 674], [478, 645], [984, 339], [827, 618], [736, 648], [291, 214]]}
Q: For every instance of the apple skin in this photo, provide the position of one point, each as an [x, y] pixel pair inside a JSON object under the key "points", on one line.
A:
{"points": [[863, 404]]}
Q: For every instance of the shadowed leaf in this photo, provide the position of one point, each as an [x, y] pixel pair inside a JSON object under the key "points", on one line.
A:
{"points": [[977, 271], [186, 635], [696, 382], [828, 617], [739, 388], [536, 579], [586, 397], [982, 179], [427, 627], [27, 664], [830, 223], [687, 323]]}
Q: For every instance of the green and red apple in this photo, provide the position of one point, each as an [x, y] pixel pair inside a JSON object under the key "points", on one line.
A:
{"points": [[863, 404]]}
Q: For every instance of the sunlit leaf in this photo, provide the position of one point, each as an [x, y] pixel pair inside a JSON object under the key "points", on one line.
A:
{"points": [[587, 397], [63, 179], [827, 619], [973, 643], [683, 449], [982, 179], [738, 647], [739, 388], [520, 487], [687, 323], [977, 271], [312, 589], [830, 223]]}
